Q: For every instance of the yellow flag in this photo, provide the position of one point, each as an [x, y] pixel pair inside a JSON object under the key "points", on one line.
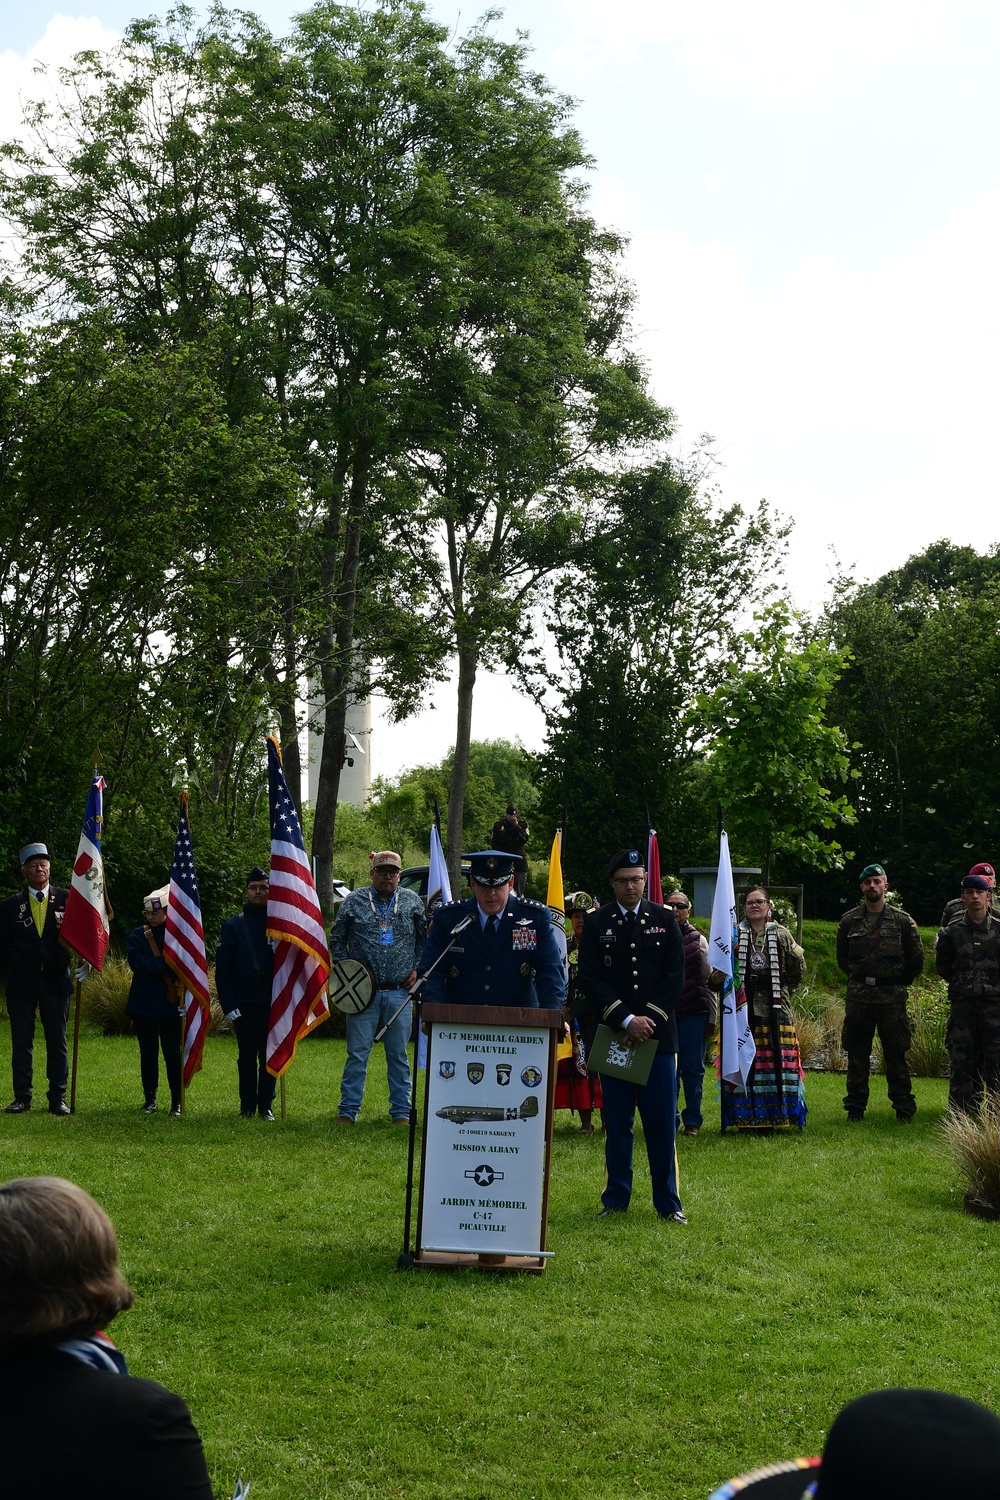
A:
{"points": [[556, 903]]}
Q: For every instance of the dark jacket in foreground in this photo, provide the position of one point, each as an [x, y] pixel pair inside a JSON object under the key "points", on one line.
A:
{"points": [[35, 966], [524, 966], [881, 956], [244, 960], [638, 972], [968, 956], [70, 1432], [148, 995]]}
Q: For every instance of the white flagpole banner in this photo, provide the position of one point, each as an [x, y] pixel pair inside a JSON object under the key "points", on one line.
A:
{"points": [[736, 1045]]}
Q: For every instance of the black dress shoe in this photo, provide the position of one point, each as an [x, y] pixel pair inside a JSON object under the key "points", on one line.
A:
{"points": [[60, 1107], [149, 1108], [19, 1107], [267, 1114], [175, 1110], [606, 1213], [247, 1114], [677, 1218], [855, 1116]]}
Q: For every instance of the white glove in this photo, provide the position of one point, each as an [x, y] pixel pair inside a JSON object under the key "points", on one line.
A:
{"points": [[233, 1015], [81, 973]]}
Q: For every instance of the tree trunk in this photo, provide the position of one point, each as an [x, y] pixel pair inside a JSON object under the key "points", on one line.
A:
{"points": [[291, 759], [468, 661], [335, 661]]}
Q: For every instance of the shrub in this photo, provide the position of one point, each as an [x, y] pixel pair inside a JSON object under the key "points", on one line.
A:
{"points": [[972, 1142], [105, 996], [819, 1035]]}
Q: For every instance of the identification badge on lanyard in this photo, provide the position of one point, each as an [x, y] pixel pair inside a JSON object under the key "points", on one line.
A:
{"points": [[385, 935]]}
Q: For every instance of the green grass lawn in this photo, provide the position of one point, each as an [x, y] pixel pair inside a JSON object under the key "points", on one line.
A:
{"points": [[649, 1360]]}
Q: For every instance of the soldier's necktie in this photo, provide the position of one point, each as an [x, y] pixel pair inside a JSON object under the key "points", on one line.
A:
{"points": [[490, 931]]}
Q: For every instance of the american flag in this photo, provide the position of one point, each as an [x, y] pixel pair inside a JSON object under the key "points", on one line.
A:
{"points": [[294, 920], [184, 945]]}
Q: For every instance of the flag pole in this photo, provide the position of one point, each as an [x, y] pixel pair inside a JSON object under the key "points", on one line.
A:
{"points": [[722, 1029], [76, 1050], [184, 1019]]}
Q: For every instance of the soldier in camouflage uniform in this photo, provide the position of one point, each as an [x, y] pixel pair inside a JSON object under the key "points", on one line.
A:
{"points": [[879, 949], [956, 908], [968, 956]]}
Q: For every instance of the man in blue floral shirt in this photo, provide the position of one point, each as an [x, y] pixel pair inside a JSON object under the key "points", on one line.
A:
{"points": [[384, 926]]}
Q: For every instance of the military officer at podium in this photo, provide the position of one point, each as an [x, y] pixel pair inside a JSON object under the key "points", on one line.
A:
{"points": [[506, 953], [632, 969]]}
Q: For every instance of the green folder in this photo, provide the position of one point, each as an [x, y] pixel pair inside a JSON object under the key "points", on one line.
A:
{"points": [[618, 1055]]}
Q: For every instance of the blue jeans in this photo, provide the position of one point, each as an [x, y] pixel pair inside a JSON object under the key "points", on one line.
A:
{"points": [[691, 1065], [360, 1037], [657, 1102]]}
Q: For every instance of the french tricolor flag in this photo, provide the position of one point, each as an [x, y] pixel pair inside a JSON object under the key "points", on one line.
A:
{"points": [[85, 925]]}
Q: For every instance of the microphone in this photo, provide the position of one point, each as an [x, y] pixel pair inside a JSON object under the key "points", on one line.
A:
{"points": [[461, 926]]}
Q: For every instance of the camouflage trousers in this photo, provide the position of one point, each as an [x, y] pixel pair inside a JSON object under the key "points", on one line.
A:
{"points": [[861, 1020], [973, 1042]]}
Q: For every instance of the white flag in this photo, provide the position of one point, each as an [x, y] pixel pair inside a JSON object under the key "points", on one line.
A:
{"points": [[438, 892], [736, 1046], [438, 884]]}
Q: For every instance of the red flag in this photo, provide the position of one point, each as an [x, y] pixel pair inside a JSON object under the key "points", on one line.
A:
{"points": [[654, 889], [184, 945], [295, 921], [85, 924]]}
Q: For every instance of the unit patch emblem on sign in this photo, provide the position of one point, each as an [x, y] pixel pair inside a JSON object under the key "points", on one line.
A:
{"points": [[524, 938], [475, 1072], [447, 1070], [503, 1074], [484, 1175], [531, 1077]]}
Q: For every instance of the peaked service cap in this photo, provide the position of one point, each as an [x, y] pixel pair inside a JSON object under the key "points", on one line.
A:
{"points": [[492, 866], [33, 851]]}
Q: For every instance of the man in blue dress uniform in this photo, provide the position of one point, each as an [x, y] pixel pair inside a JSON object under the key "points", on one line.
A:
{"points": [[506, 955], [632, 967]]}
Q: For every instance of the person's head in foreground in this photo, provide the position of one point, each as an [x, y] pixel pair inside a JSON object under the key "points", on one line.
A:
{"points": [[891, 1445], [59, 1276]]}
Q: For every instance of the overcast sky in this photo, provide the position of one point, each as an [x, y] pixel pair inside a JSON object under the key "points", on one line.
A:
{"points": [[812, 194]]}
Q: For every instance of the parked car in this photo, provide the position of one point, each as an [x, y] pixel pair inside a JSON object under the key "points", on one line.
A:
{"points": [[414, 878]]}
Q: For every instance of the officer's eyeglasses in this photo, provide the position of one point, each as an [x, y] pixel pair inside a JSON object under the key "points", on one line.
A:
{"points": [[256, 889]]}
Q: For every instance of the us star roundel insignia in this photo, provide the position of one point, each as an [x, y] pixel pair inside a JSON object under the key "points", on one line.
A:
{"points": [[447, 1070], [475, 1072], [484, 1175]]}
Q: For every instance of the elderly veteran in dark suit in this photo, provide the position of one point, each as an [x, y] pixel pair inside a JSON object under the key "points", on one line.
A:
{"points": [[37, 974], [506, 955], [632, 967]]}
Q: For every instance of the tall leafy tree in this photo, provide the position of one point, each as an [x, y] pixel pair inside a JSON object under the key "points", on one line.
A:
{"points": [[648, 621], [775, 763], [920, 696]]}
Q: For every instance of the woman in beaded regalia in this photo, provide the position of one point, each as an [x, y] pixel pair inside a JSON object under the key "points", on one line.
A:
{"points": [[771, 965]]}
